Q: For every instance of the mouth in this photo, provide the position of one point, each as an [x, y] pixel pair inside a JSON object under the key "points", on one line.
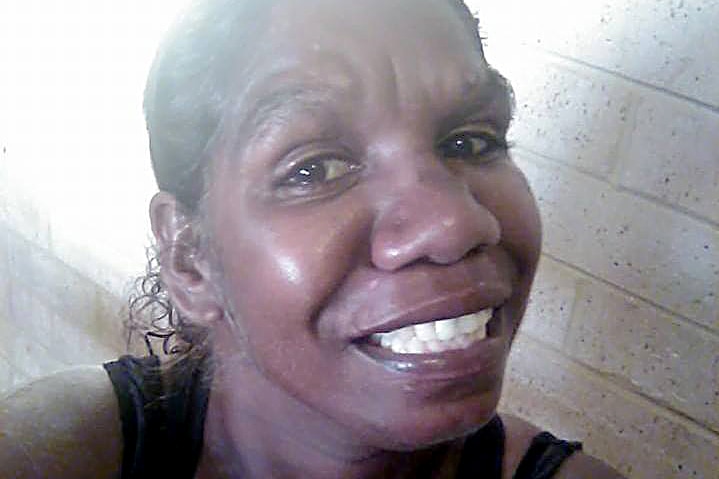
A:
{"points": [[434, 325], [472, 346], [439, 336]]}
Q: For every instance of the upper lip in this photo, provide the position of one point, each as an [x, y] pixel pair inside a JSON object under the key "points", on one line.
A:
{"points": [[439, 308], [372, 301]]}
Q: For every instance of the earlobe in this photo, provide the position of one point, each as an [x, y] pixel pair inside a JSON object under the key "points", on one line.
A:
{"points": [[184, 267]]}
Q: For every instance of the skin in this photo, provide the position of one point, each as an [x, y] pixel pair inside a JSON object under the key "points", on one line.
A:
{"points": [[65, 425], [375, 194]]}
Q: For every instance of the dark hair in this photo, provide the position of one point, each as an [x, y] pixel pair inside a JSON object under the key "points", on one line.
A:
{"points": [[186, 91], [186, 98]]}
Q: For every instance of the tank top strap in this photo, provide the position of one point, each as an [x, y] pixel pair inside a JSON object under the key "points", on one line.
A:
{"points": [[483, 452], [138, 387], [545, 456], [185, 410], [162, 427]]}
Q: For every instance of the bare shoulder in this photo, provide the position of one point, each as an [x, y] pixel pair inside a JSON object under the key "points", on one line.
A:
{"points": [[61, 426], [584, 466], [519, 435]]}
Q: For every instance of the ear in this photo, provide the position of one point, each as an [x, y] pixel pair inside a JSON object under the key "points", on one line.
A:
{"points": [[185, 270]]}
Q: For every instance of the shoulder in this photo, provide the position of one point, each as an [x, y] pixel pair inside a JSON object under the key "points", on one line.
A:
{"points": [[519, 435], [63, 425], [584, 466]]}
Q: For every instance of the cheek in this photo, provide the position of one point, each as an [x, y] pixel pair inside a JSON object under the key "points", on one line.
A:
{"points": [[281, 265], [280, 268], [506, 193], [522, 227]]}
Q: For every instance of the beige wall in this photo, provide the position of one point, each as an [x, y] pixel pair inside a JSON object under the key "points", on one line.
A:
{"points": [[617, 129], [74, 177]]}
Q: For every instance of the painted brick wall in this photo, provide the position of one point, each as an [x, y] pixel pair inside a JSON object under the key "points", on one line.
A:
{"points": [[617, 128], [74, 177]]}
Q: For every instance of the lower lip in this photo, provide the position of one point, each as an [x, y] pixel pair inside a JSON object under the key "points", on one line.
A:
{"points": [[485, 357]]}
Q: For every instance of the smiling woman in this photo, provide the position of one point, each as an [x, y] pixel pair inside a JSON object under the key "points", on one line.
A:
{"points": [[346, 251]]}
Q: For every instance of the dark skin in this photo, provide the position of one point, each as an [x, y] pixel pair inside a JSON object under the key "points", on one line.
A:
{"points": [[377, 193]]}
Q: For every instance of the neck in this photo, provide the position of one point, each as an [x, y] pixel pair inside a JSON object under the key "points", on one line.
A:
{"points": [[250, 438]]}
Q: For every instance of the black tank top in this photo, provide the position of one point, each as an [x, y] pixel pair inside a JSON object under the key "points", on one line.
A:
{"points": [[162, 432]]}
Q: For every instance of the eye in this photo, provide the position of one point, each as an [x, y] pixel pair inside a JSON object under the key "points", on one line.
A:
{"points": [[319, 170], [471, 145]]}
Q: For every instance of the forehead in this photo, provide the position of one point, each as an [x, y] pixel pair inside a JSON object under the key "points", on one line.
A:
{"points": [[390, 23], [370, 35], [374, 54]]}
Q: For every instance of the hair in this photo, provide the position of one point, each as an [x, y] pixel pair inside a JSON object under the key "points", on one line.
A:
{"points": [[186, 98]]}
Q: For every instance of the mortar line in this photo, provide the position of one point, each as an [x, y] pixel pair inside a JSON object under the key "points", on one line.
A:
{"points": [[635, 81], [597, 376], [626, 138], [521, 148], [704, 329], [671, 206], [578, 284], [674, 208]]}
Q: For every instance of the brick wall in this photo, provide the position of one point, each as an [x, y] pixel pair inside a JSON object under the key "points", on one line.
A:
{"points": [[75, 178], [617, 128], [51, 315]]}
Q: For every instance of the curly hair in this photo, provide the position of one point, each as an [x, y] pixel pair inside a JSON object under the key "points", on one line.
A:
{"points": [[186, 100], [151, 314]]}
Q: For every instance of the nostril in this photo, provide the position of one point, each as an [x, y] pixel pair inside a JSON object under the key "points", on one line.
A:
{"points": [[453, 253], [479, 249]]}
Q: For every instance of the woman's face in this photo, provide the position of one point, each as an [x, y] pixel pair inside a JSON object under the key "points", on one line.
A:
{"points": [[364, 187]]}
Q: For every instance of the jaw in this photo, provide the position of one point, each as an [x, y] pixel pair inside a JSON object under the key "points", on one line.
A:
{"points": [[347, 401], [354, 405]]}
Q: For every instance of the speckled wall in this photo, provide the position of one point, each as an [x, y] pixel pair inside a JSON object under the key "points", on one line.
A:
{"points": [[75, 177], [617, 129]]}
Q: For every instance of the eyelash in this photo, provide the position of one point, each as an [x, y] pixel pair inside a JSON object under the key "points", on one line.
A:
{"points": [[301, 179], [492, 145], [301, 175]]}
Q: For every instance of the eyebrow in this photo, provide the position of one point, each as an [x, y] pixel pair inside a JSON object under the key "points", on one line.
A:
{"points": [[482, 92], [280, 106], [491, 93]]}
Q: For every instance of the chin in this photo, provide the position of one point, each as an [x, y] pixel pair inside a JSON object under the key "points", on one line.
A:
{"points": [[437, 424]]}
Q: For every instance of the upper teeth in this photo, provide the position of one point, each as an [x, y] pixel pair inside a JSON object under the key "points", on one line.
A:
{"points": [[437, 336]]}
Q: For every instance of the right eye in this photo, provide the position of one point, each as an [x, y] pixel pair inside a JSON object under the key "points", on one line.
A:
{"points": [[318, 171]]}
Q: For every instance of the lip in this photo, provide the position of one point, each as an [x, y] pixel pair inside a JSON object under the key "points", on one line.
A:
{"points": [[452, 306], [373, 301], [483, 358]]}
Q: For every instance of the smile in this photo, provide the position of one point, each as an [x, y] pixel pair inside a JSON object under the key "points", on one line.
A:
{"points": [[436, 336], [472, 345]]}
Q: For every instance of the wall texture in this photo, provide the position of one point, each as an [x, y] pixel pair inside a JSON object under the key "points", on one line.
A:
{"points": [[617, 129], [74, 177]]}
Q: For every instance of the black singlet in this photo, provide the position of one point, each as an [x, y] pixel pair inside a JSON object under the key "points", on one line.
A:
{"points": [[162, 433]]}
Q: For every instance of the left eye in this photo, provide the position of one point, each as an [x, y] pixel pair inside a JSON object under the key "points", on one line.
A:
{"points": [[469, 145], [316, 171]]}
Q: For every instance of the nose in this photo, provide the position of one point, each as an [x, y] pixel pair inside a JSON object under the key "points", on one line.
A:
{"points": [[437, 220]]}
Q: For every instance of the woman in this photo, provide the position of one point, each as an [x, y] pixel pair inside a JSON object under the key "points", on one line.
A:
{"points": [[348, 252]]}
